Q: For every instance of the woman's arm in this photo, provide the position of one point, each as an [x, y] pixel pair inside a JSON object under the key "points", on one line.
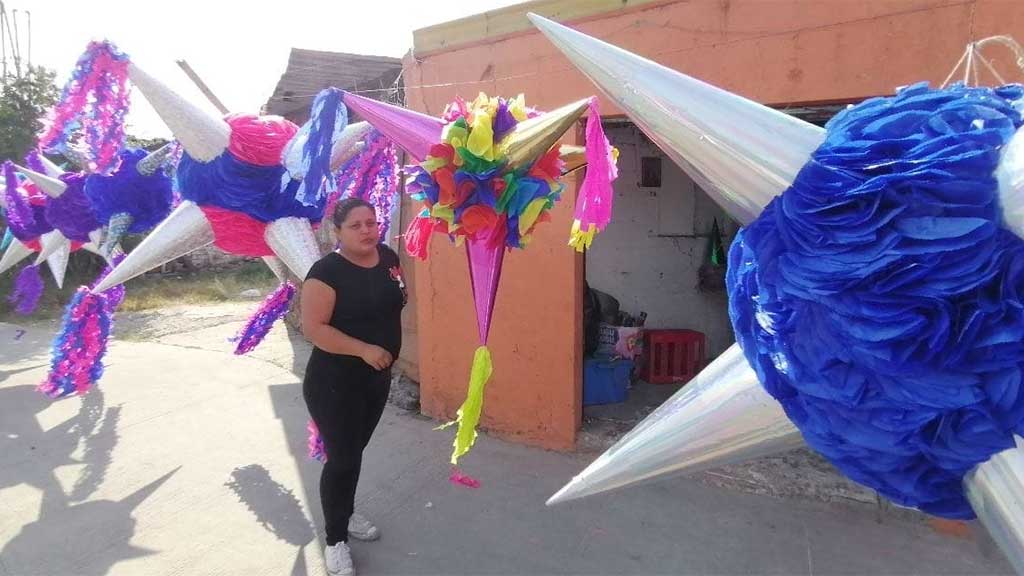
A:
{"points": [[317, 307]]}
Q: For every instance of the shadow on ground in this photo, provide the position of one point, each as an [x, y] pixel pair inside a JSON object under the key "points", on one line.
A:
{"points": [[275, 507], [29, 456]]}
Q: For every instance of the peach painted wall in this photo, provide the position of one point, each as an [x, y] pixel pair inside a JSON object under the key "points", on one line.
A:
{"points": [[777, 52]]}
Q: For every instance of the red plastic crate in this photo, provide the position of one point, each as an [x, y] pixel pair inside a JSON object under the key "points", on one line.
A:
{"points": [[672, 356]]}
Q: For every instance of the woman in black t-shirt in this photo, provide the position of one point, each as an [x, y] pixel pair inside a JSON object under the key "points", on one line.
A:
{"points": [[352, 303]]}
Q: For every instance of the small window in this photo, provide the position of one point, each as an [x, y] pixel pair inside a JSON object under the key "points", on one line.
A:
{"points": [[650, 172]]}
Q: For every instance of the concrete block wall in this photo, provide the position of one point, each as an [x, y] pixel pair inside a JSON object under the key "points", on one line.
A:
{"points": [[649, 255]]}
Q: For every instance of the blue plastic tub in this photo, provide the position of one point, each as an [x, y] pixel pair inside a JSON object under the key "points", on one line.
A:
{"points": [[605, 381]]}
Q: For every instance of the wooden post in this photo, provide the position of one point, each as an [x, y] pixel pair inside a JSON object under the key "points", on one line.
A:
{"points": [[202, 86]]}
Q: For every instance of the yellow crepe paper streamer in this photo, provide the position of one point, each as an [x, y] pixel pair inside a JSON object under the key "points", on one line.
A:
{"points": [[581, 239], [469, 414], [481, 138], [530, 214], [480, 103], [517, 106]]}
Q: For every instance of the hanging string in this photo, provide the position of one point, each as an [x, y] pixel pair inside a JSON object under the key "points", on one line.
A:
{"points": [[972, 55]]}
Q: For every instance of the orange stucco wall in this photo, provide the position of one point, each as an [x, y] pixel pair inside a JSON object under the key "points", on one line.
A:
{"points": [[777, 52]]}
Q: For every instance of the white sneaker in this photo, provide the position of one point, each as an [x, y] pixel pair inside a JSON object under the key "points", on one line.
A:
{"points": [[362, 529], [339, 560]]}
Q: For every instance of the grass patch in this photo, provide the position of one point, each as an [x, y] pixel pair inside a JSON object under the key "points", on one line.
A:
{"points": [[146, 292], [153, 292]]}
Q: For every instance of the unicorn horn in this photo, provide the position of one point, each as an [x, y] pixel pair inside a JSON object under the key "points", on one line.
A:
{"points": [[51, 242], [53, 187], [741, 152], [93, 245], [1010, 175], [184, 230], [203, 135], [532, 138], [993, 488], [15, 253], [155, 160], [80, 159], [58, 263], [412, 131], [293, 241], [721, 417], [277, 267], [93, 248], [49, 167], [118, 226], [350, 143]]}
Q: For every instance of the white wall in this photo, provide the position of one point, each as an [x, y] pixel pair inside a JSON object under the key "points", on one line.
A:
{"points": [[649, 255]]}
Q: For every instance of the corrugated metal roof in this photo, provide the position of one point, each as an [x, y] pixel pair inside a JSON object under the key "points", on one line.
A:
{"points": [[310, 71]]}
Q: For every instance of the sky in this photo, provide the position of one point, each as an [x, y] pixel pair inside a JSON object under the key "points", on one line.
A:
{"points": [[239, 48]]}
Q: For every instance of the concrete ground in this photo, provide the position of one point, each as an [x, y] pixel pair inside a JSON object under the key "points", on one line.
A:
{"points": [[189, 460]]}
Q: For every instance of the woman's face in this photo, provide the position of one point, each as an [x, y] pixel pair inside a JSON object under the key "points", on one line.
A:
{"points": [[359, 233]]}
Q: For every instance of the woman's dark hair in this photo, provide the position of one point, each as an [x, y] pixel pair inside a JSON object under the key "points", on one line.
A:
{"points": [[342, 209]]}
